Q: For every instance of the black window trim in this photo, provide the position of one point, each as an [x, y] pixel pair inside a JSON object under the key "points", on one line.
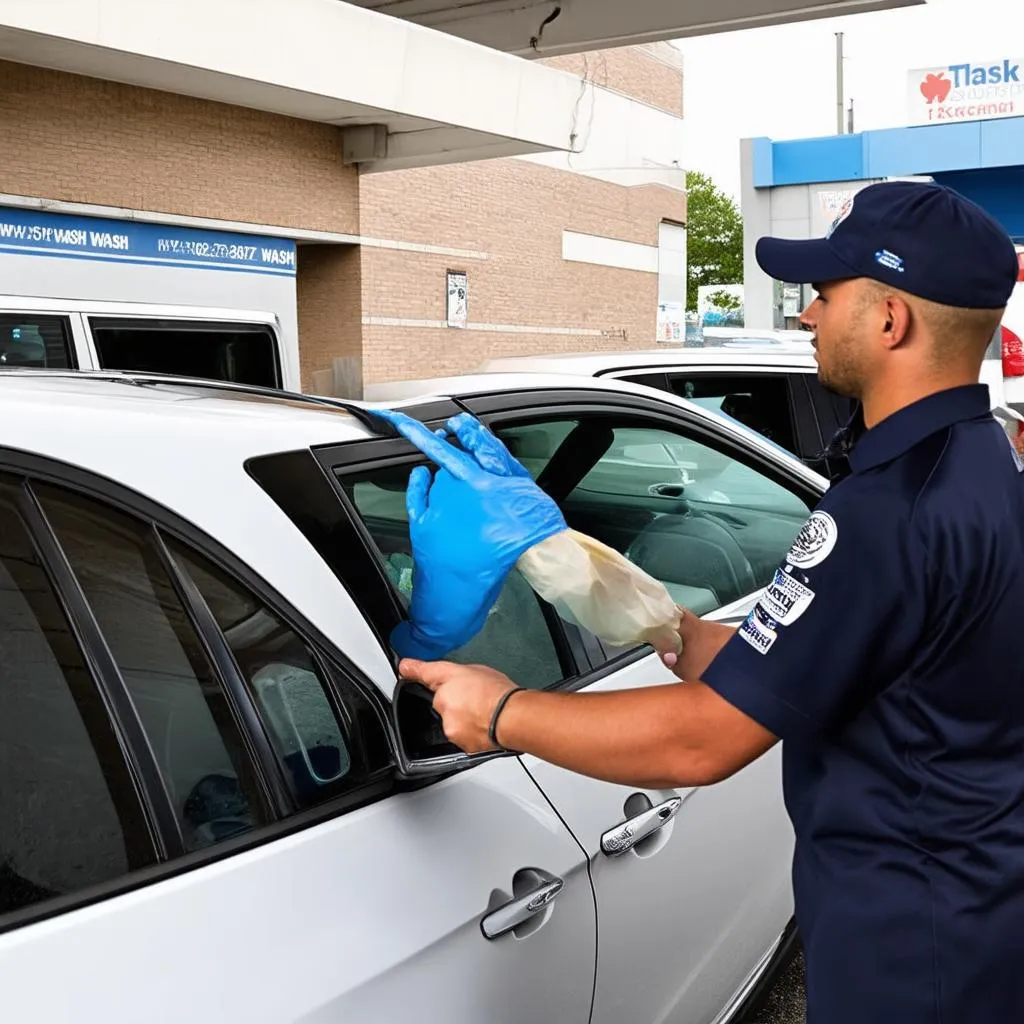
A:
{"points": [[127, 725], [381, 783], [275, 790]]}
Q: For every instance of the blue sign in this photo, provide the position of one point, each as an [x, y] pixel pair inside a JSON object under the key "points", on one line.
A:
{"points": [[33, 233]]}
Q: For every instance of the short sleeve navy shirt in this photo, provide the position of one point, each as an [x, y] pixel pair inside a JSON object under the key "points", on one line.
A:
{"points": [[888, 655]]}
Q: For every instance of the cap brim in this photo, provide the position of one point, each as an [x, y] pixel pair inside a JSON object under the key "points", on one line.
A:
{"points": [[801, 261]]}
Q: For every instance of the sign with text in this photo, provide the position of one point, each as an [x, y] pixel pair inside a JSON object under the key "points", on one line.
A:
{"points": [[966, 92], [36, 233]]}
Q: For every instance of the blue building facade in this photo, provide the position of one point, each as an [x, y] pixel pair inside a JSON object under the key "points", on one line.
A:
{"points": [[791, 187]]}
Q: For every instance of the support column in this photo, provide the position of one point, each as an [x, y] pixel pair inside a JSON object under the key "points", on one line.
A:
{"points": [[330, 314]]}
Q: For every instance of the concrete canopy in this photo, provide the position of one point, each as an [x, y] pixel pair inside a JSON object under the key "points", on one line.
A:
{"points": [[410, 96], [544, 28]]}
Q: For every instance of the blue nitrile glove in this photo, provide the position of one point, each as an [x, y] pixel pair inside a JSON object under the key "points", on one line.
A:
{"points": [[468, 523]]}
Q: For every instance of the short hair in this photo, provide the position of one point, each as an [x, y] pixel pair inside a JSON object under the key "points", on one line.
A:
{"points": [[955, 330]]}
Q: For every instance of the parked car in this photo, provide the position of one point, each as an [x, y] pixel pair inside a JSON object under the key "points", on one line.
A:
{"points": [[772, 390], [218, 802], [236, 345]]}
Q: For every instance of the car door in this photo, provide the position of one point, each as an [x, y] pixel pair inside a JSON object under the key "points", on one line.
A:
{"points": [[686, 916], [200, 818], [687, 912]]}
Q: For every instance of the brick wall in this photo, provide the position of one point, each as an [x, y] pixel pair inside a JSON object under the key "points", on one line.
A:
{"points": [[513, 213], [328, 295], [79, 139]]}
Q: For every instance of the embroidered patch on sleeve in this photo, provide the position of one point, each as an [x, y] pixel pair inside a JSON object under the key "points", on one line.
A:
{"points": [[758, 630], [785, 599], [814, 542]]}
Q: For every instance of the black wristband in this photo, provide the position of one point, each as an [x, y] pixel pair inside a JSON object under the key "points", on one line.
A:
{"points": [[498, 708]]}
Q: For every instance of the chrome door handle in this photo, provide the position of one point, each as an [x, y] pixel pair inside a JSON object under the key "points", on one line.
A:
{"points": [[519, 910], [628, 833]]}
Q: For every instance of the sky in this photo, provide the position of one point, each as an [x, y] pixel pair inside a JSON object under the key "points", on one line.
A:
{"points": [[780, 82]]}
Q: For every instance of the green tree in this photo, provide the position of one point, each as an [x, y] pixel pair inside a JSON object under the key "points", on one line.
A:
{"points": [[724, 300], [714, 237]]}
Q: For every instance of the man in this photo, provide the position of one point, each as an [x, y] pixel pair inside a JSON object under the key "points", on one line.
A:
{"points": [[885, 652]]}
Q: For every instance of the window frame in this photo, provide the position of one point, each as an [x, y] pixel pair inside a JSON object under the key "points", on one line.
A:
{"points": [[373, 591], [286, 816]]}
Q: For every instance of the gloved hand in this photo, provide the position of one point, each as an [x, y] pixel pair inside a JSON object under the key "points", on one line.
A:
{"points": [[469, 523]]}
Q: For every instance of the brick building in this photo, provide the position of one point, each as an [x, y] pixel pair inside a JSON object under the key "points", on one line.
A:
{"points": [[560, 253], [325, 166]]}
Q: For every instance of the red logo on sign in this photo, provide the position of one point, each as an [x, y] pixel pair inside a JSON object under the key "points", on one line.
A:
{"points": [[936, 87]]}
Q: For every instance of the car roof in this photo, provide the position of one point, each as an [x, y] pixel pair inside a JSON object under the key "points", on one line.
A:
{"points": [[778, 355], [552, 369]]}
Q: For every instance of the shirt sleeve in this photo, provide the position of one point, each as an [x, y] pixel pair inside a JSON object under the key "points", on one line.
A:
{"points": [[839, 621]]}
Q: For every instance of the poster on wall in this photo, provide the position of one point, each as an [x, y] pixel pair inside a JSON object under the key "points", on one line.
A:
{"points": [[457, 309], [671, 321]]}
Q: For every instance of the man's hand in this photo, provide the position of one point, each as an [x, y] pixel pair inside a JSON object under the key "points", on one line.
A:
{"points": [[702, 640], [465, 697]]}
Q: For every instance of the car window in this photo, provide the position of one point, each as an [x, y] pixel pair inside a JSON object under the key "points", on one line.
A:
{"points": [[182, 706], [516, 637], [760, 402], [29, 339], [313, 740], [243, 353], [710, 527], [69, 814]]}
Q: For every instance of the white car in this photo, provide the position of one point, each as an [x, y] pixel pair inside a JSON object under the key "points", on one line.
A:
{"points": [[218, 803]]}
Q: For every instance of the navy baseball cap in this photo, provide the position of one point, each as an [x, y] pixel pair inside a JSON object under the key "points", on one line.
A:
{"points": [[922, 238]]}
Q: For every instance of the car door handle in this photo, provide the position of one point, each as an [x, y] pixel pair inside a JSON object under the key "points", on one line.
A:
{"points": [[628, 833], [519, 910]]}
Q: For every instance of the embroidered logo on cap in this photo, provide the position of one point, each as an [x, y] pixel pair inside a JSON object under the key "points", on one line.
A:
{"points": [[890, 260]]}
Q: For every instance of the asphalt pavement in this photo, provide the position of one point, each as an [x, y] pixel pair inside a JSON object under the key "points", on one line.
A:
{"points": [[785, 1003]]}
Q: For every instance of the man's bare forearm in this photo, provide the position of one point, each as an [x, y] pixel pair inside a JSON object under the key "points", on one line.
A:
{"points": [[658, 737], [702, 641]]}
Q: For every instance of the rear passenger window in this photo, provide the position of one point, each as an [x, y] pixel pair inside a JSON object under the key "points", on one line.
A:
{"points": [[242, 353], [182, 706], [516, 639], [33, 340], [69, 814], [316, 744]]}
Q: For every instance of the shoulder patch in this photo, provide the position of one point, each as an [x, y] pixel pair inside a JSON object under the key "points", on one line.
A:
{"points": [[814, 542], [758, 630], [785, 599]]}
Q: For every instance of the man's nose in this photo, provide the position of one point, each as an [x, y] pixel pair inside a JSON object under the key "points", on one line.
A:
{"points": [[807, 318]]}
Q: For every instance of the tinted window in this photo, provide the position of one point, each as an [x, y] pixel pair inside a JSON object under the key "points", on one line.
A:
{"points": [[516, 637], [243, 353], [69, 815], [28, 339], [313, 740], [760, 403], [182, 706]]}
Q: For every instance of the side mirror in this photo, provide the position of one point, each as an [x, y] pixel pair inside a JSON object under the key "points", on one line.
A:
{"points": [[423, 748]]}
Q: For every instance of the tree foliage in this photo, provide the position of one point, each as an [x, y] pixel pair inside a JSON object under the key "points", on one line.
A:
{"points": [[714, 237]]}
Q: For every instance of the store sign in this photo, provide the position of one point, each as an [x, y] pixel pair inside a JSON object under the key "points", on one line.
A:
{"points": [[34, 233], [966, 92]]}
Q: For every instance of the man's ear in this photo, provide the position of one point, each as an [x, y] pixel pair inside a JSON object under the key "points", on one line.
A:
{"points": [[898, 317]]}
